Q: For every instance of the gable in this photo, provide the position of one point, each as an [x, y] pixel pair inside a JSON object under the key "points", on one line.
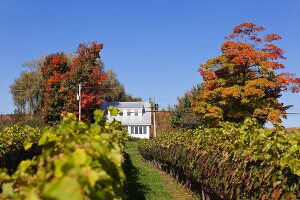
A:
{"points": [[133, 113]]}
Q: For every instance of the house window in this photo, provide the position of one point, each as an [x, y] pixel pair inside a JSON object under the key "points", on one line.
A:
{"points": [[138, 129], [136, 113], [128, 113], [120, 113], [132, 113]]}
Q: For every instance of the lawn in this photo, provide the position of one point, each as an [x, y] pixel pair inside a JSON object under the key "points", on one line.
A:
{"points": [[146, 182]]}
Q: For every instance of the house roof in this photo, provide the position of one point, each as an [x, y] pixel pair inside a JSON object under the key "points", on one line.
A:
{"points": [[145, 119], [127, 104]]}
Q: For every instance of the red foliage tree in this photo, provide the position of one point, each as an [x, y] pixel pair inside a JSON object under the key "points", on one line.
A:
{"points": [[86, 68], [53, 70], [61, 78]]}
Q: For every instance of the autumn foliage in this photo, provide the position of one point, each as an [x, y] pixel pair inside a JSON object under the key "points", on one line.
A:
{"points": [[243, 81], [62, 74]]}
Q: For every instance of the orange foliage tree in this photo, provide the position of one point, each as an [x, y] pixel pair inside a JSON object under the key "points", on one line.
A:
{"points": [[243, 81]]}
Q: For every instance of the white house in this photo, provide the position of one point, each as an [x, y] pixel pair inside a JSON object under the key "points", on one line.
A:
{"points": [[135, 116]]}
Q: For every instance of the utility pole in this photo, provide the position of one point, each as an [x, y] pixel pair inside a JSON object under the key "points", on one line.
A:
{"points": [[79, 101], [154, 118]]}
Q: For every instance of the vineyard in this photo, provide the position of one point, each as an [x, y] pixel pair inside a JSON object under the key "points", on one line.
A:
{"points": [[231, 162], [77, 160], [73, 160], [18, 143]]}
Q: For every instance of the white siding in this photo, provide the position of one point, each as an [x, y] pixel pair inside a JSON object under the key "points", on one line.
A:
{"points": [[140, 112], [128, 129]]}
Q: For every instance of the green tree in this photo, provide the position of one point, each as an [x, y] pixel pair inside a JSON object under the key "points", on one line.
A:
{"points": [[182, 115], [118, 90], [27, 92]]}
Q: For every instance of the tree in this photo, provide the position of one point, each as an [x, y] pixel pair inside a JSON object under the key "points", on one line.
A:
{"points": [[118, 93], [182, 115], [62, 77], [243, 81], [50, 85], [35, 65], [53, 70], [88, 69], [27, 92]]}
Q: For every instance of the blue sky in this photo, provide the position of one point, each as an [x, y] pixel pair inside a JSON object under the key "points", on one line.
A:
{"points": [[155, 46]]}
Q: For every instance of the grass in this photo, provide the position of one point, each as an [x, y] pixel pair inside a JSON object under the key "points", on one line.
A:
{"points": [[177, 191], [145, 182]]}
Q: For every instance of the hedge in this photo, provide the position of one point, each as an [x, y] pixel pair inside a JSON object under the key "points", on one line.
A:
{"points": [[232, 162]]}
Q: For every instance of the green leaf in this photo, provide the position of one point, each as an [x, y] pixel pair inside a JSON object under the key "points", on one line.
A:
{"points": [[47, 138], [24, 165], [93, 176], [79, 157], [113, 111], [82, 125], [43, 140], [255, 157], [7, 189], [3, 175], [27, 145], [95, 129], [32, 196], [98, 115], [62, 189], [104, 176], [296, 171], [58, 168]]}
